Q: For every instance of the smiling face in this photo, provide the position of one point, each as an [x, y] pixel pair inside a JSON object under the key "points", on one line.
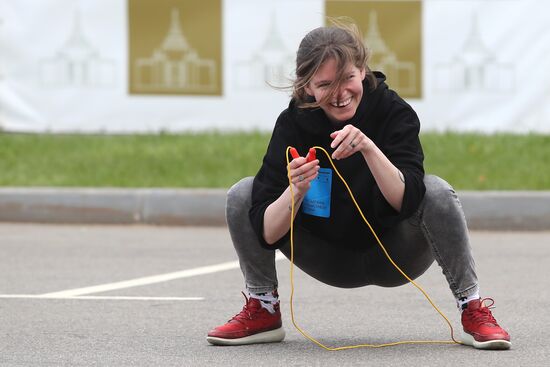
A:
{"points": [[342, 104]]}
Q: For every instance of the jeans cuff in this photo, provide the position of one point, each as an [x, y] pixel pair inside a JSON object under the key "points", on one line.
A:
{"points": [[264, 289], [468, 292]]}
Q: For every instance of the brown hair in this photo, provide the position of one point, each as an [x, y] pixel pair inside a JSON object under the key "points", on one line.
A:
{"points": [[342, 42]]}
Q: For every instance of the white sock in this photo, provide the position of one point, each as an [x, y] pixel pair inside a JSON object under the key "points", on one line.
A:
{"points": [[268, 300], [462, 302]]}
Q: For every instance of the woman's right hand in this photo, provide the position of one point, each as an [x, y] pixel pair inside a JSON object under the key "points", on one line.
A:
{"points": [[302, 173], [276, 223]]}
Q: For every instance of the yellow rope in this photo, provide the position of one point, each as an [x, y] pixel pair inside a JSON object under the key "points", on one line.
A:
{"points": [[453, 341]]}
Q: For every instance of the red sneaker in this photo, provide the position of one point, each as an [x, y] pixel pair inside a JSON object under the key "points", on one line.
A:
{"points": [[254, 324], [481, 330]]}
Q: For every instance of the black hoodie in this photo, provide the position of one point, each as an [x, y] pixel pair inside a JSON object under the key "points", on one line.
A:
{"points": [[390, 123]]}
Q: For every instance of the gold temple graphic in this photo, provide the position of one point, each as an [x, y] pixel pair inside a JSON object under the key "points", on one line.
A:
{"points": [[175, 66], [271, 65], [392, 31], [474, 68], [77, 63], [399, 73]]}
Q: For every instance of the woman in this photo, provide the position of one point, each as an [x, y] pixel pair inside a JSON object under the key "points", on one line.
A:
{"points": [[372, 134]]}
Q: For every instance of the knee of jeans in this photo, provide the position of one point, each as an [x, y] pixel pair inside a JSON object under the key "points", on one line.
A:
{"points": [[439, 194], [392, 278], [240, 194]]}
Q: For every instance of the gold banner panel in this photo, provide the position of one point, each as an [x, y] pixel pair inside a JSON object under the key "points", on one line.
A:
{"points": [[393, 32], [175, 47]]}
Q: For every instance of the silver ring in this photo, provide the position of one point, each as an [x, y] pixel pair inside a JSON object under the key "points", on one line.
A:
{"points": [[352, 144], [300, 178]]}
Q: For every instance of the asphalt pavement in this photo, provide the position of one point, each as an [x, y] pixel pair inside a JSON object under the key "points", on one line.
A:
{"points": [[138, 295]]}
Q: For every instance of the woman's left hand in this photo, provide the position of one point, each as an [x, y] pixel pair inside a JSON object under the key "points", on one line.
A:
{"points": [[348, 141]]}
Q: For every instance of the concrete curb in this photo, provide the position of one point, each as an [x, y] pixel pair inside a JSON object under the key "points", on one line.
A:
{"points": [[113, 206], [487, 210]]}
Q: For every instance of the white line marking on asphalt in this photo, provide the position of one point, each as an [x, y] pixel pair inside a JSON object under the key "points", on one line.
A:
{"points": [[151, 279], [121, 298]]}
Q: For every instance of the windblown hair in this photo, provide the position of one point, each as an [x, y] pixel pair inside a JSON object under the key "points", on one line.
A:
{"points": [[342, 42]]}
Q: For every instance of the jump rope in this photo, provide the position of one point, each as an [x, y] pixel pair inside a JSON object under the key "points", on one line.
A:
{"points": [[310, 157]]}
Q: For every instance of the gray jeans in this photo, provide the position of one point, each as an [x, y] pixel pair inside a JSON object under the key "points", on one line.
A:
{"points": [[436, 231]]}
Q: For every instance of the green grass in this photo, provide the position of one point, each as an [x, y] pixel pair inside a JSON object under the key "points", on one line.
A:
{"points": [[191, 160], [489, 162], [468, 161]]}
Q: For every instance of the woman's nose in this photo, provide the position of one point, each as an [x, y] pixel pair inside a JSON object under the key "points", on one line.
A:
{"points": [[339, 94]]}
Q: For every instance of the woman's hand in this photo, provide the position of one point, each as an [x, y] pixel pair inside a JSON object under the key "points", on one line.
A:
{"points": [[388, 177], [276, 216], [302, 173], [348, 141]]}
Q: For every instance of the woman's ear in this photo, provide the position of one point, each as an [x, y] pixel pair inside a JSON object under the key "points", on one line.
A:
{"points": [[363, 73], [308, 90]]}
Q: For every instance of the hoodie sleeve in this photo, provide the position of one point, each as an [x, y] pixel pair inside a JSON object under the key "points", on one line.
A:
{"points": [[401, 145], [271, 180]]}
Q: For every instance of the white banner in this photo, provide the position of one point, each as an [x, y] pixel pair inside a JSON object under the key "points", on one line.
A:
{"points": [[189, 65]]}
